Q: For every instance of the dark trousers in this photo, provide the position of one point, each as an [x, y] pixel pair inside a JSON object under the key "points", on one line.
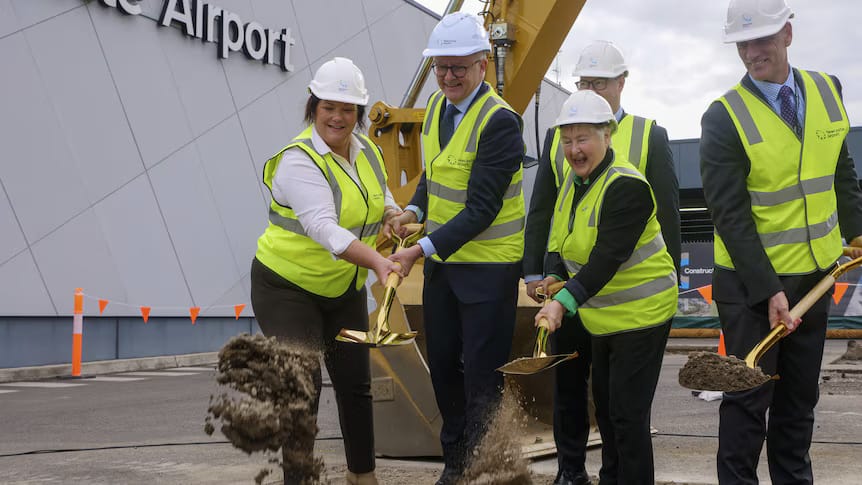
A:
{"points": [[571, 398], [466, 342], [790, 400], [626, 368], [287, 311]]}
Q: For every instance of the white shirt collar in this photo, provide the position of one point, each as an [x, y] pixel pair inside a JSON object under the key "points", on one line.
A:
{"points": [[464, 105]]}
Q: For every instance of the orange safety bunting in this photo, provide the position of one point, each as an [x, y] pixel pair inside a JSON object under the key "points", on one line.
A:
{"points": [[840, 288], [102, 305], [193, 312], [237, 309], [145, 312], [706, 293]]}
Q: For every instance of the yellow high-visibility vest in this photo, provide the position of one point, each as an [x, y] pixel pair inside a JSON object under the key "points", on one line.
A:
{"points": [[286, 249], [630, 141], [792, 181], [447, 172], [643, 292]]}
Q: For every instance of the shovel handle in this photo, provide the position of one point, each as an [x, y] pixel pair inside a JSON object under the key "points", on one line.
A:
{"points": [[412, 227], [553, 289], [800, 309], [542, 332], [394, 279]]}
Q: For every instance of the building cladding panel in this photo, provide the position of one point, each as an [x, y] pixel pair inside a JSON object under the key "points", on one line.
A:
{"points": [[133, 153]]}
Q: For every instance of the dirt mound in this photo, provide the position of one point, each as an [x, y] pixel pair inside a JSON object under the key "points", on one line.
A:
{"points": [[498, 458], [272, 406], [853, 354], [708, 371]]}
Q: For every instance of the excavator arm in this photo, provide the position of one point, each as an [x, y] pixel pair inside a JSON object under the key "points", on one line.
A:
{"points": [[525, 34]]}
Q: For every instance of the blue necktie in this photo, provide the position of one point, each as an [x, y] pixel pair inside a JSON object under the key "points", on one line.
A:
{"points": [[447, 124], [788, 106]]}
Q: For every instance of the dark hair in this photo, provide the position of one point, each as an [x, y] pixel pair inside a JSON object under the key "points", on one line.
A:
{"points": [[311, 108]]}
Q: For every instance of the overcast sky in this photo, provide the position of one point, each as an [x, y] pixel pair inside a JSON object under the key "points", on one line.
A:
{"points": [[678, 63]]}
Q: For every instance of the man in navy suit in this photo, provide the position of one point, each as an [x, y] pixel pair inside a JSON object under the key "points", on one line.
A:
{"points": [[782, 189], [471, 199]]}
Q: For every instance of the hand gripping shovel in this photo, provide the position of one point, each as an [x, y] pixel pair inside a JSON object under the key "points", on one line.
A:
{"points": [[800, 308], [712, 372], [380, 335], [540, 359]]}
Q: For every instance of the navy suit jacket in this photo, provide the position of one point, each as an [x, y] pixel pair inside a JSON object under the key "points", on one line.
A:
{"points": [[499, 156]]}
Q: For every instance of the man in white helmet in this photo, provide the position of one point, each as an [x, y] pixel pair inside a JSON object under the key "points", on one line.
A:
{"points": [[782, 190], [471, 200], [601, 68]]}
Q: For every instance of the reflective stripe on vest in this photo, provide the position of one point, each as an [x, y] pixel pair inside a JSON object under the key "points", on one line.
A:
{"points": [[447, 174], [791, 181], [643, 291], [285, 246], [631, 139]]}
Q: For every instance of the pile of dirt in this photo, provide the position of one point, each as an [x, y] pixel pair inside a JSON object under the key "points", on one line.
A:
{"points": [[853, 354], [498, 458], [272, 407], [708, 371]]}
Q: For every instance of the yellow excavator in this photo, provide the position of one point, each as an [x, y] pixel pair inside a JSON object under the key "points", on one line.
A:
{"points": [[525, 37]]}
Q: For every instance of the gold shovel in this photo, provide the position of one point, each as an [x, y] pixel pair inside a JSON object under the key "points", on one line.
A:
{"points": [[380, 335], [540, 360], [800, 308], [712, 372]]}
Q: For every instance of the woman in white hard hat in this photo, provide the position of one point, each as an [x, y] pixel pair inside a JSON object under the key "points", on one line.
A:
{"points": [[329, 202], [621, 283]]}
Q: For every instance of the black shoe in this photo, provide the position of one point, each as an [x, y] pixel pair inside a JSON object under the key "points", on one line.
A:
{"points": [[450, 476], [568, 477]]}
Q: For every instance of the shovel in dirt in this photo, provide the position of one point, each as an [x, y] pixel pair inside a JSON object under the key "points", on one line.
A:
{"points": [[380, 335], [540, 360], [708, 371]]}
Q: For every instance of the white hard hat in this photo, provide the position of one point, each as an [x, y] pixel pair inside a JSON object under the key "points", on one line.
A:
{"points": [[753, 19], [586, 107], [458, 34], [339, 80], [601, 59]]}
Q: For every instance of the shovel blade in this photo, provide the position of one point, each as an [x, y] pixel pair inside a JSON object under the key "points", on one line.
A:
{"points": [[394, 338], [533, 365], [354, 337], [385, 339]]}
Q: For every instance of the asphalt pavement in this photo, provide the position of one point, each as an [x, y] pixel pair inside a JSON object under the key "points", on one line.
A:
{"points": [[146, 426]]}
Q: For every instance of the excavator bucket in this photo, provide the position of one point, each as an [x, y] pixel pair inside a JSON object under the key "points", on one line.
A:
{"points": [[406, 420]]}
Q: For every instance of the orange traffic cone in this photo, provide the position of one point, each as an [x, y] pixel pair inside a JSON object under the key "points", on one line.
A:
{"points": [[721, 349]]}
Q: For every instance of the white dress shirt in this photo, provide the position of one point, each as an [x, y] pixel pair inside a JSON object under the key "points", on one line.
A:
{"points": [[299, 184]]}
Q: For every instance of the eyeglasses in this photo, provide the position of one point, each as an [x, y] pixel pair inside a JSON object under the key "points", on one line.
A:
{"points": [[596, 84], [457, 71]]}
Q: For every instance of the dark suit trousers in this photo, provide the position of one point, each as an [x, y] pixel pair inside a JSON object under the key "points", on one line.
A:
{"points": [[790, 400], [287, 311], [571, 399], [626, 367], [469, 313]]}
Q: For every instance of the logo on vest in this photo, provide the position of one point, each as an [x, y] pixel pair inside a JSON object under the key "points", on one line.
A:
{"points": [[460, 163], [827, 134]]}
